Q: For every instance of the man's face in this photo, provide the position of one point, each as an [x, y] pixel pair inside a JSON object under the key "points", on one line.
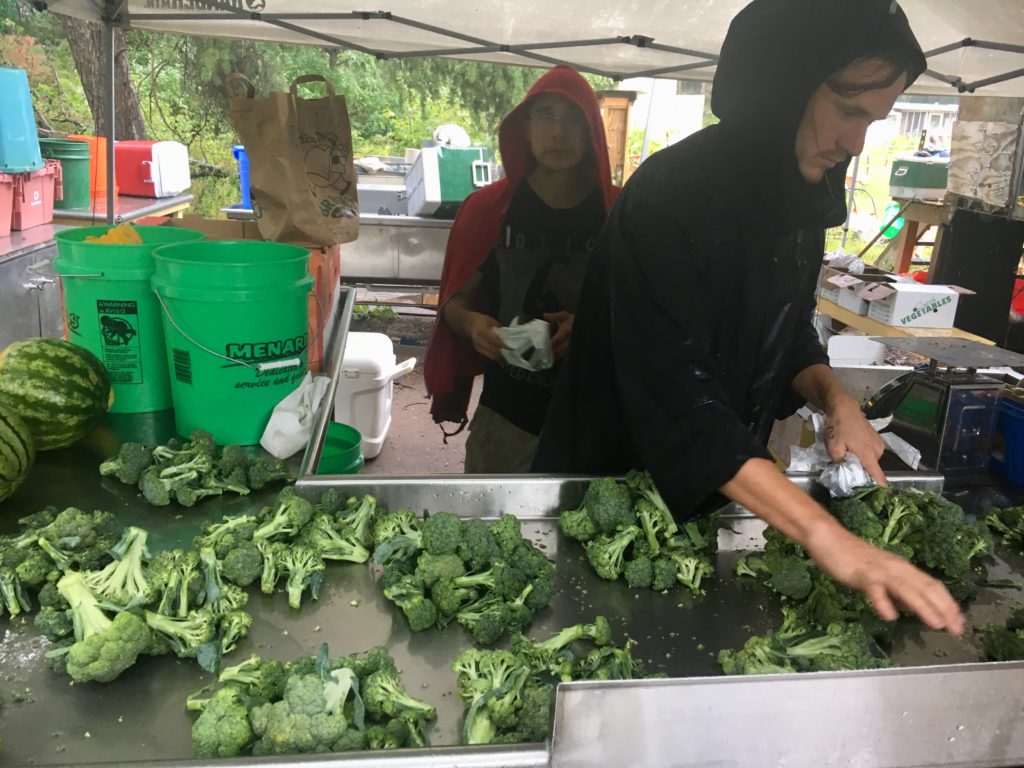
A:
{"points": [[557, 132], [834, 125]]}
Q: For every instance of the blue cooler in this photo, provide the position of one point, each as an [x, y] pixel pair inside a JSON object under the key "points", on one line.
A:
{"points": [[19, 139]]}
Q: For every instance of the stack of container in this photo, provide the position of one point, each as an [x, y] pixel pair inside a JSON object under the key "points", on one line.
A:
{"points": [[28, 184]]}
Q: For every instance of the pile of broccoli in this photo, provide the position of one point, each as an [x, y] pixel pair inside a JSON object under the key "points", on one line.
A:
{"points": [[802, 646], [310, 705], [509, 695], [920, 526], [1005, 642], [629, 532], [1008, 525], [190, 471], [487, 577]]}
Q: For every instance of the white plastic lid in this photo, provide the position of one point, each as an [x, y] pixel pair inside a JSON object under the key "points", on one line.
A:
{"points": [[372, 353]]}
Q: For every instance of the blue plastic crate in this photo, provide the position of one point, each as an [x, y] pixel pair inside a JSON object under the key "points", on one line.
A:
{"points": [[1008, 451], [19, 138]]}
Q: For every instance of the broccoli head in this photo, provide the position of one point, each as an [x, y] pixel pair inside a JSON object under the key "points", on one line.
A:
{"points": [[639, 572], [385, 696], [303, 570], [442, 534], [324, 537], [222, 729], [607, 554], [477, 547], [131, 460]]}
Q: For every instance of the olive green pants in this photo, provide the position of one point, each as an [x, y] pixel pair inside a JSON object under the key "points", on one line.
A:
{"points": [[496, 446]]}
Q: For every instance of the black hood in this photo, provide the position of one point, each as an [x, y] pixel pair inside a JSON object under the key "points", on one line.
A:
{"points": [[775, 55]]}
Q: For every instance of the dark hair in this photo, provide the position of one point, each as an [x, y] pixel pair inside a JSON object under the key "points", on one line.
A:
{"points": [[903, 59]]}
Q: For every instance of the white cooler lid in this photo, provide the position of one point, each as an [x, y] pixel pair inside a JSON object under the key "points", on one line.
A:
{"points": [[372, 353]]}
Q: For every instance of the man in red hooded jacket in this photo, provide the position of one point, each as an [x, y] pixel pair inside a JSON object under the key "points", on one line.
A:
{"points": [[518, 251]]}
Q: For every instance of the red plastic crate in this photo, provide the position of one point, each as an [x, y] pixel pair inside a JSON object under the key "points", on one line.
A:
{"points": [[6, 203], [34, 194]]}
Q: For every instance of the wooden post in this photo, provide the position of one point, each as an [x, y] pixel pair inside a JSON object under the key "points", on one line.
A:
{"points": [[615, 106]]}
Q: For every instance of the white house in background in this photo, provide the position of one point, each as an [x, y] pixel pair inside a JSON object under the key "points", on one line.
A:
{"points": [[910, 118]]}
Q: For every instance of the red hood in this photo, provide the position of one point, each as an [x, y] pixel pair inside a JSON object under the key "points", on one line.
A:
{"points": [[451, 362]]}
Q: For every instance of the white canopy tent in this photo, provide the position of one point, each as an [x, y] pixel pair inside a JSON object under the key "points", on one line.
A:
{"points": [[970, 45], [976, 44]]}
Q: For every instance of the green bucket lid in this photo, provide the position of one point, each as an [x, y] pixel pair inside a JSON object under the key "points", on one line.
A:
{"points": [[342, 453]]}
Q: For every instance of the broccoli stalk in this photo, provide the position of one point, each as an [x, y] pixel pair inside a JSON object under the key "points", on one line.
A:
{"points": [[218, 597], [357, 520], [304, 570], [187, 635], [12, 594], [323, 536], [384, 695]]}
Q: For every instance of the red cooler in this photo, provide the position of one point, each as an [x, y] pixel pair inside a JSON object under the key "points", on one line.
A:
{"points": [[152, 168]]}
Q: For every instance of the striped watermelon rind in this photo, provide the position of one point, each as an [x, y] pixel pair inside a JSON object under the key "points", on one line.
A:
{"points": [[17, 451], [58, 389]]}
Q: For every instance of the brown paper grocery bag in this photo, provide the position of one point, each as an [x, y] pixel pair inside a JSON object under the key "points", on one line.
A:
{"points": [[301, 172]]}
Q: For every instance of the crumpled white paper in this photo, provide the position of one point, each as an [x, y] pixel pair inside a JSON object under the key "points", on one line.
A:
{"points": [[528, 345], [848, 261], [291, 422], [844, 478]]}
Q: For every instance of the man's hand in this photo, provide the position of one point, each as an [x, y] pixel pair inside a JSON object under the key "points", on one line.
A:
{"points": [[481, 332], [848, 431], [560, 341], [889, 582]]}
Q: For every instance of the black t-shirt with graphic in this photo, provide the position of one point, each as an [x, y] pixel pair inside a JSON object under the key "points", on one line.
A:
{"points": [[536, 268]]}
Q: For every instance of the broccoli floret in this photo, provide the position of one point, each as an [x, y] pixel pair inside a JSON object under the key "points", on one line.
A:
{"points": [[432, 568], [859, 518], [286, 519], [357, 520], [384, 695], [1007, 523], [390, 525], [232, 458], [609, 505], [243, 565], [607, 554], [310, 718], [218, 597], [842, 647], [1002, 643], [184, 636], [450, 598], [903, 520], [600, 633], [664, 574], [157, 489], [639, 572], [758, 656], [577, 524], [262, 472], [323, 536], [303, 570], [271, 553], [478, 549], [222, 729], [80, 537], [179, 581], [487, 620], [39, 519], [34, 569], [54, 623], [790, 576], [751, 565], [442, 534], [228, 534], [49, 597], [123, 582], [262, 680], [103, 649], [507, 534], [233, 627], [391, 736], [407, 593], [331, 502], [13, 597], [948, 542], [128, 465]]}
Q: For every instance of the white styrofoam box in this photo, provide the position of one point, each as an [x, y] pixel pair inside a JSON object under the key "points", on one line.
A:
{"points": [[365, 387], [913, 305], [854, 351]]}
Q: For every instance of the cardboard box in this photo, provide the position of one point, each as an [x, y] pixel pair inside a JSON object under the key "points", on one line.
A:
{"points": [[913, 305], [324, 266], [840, 286]]}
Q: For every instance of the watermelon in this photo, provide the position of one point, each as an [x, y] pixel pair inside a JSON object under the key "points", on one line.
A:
{"points": [[17, 451], [59, 390]]}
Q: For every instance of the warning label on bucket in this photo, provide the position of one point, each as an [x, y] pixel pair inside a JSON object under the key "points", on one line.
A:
{"points": [[122, 347]]}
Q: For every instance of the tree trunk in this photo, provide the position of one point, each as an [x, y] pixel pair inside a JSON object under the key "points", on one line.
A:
{"points": [[86, 41]]}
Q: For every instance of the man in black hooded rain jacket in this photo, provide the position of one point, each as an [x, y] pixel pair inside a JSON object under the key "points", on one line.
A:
{"points": [[694, 328]]}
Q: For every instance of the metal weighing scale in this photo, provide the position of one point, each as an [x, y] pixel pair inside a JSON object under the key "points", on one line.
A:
{"points": [[948, 411]]}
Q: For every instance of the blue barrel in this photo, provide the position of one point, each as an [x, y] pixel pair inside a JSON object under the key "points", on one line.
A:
{"points": [[19, 139]]}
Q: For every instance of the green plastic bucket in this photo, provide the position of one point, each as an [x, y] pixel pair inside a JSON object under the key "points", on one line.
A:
{"points": [[235, 324], [74, 168], [111, 310], [343, 451]]}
